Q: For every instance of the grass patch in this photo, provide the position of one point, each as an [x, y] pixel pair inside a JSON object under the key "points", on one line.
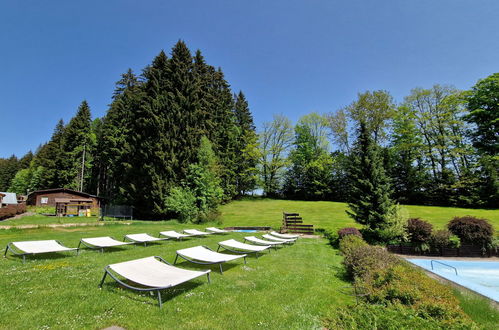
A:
{"points": [[293, 287], [331, 215], [478, 308]]}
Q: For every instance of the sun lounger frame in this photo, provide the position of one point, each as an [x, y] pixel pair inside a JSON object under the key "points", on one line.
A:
{"points": [[204, 263], [13, 251], [108, 271], [241, 252], [101, 248]]}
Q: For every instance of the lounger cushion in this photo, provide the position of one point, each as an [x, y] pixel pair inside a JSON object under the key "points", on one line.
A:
{"points": [[153, 273], [143, 238], [196, 232], [203, 254], [216, 230], [173, 234], [287, 236], [270, 237], [41, 246], [103, 242], [256, 240], [233, 244]]}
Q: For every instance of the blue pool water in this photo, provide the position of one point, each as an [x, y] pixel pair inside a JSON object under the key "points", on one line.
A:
{"points": [[246, 231], [479, 276]]}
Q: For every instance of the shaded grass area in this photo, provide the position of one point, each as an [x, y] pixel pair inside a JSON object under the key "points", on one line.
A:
{"points": [[332, 215], [478, 308], [289, 288]]}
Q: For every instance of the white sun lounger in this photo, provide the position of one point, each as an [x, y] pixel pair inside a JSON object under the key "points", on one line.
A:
{"points": [[36, 247], [154, 273], [277, 239], [203, 255], [258, 241], [285, 236], [217, 230], [238, 247], [173, 234], [195, 232], [101, 243], [142, 238]]}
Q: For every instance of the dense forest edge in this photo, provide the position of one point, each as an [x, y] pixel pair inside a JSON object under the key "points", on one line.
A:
{"points": [[177, 141]]}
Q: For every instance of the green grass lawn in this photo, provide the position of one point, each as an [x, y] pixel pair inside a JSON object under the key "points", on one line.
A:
{"points": [[293, 287], [331, 215]]}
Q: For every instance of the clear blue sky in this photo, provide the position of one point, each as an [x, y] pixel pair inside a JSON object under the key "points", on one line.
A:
{"points": [[290, 57]]}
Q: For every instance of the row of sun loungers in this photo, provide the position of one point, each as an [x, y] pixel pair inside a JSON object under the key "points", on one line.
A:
{"points": [[50, 246], [154, 273]]}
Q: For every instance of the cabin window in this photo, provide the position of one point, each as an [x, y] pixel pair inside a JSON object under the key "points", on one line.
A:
{"points": [[44, 200]]}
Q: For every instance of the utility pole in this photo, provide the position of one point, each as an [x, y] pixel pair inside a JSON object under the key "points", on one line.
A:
{"points": [[82, 169]]}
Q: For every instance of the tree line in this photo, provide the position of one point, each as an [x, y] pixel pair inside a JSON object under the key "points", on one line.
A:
{"points": [[176, 139], [178, 113], [439, 146]]}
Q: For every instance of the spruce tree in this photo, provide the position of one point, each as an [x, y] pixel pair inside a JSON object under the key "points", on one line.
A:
{"points": [[369, 201], [247, 152], [8, 169], [50, 156], [77, 144]]}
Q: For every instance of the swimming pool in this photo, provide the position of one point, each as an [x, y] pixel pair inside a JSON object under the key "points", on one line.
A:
{"points": [[246, 231], [479, 276]]}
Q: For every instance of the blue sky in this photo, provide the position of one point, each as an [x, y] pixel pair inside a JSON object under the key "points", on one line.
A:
{"points": [[290, 57]]}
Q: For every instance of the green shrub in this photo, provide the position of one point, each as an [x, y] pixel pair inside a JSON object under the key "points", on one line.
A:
{"points": [[390, 316], [441, 238], [350, 242], [349, 231], [387, 280], [471, 230], [182, 202], [362, 259], [419, 231]]}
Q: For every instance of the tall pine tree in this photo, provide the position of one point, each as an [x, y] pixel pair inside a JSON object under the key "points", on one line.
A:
{"points": [[369, 201]]}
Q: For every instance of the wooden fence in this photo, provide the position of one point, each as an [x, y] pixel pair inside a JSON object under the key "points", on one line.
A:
{"points": [[11, 210], [463, 251]]}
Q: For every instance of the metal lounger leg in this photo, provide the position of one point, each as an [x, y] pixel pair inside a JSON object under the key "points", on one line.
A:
{"points": [[6, 249], [218, 248], [103, 278], [221, 270], [208, 275], [245, 260], [176, 257], [159, 299]]}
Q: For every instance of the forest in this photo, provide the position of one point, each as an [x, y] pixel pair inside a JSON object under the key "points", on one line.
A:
{"points": [[176, 140]]}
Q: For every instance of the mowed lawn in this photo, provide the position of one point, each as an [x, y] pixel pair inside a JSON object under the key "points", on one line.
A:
{"points": [[332, 215], [294, 287]]}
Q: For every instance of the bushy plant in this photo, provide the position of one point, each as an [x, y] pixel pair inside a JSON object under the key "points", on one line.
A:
{"points": [[349, 231], [419, 230], [441, 238], [182, 202], [394, 230], [471, 230], [350, 242], [362, 259], [387, 280], [389, 316]]}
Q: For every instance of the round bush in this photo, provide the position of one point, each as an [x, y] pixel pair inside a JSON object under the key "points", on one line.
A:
{"points": [[471, 230], [350, 242], [419, 230], [441, 238], [348, 231]]}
